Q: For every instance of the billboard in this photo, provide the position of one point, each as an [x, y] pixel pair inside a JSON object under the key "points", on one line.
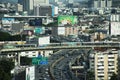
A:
{"points": [[7, 21], [67, 20], [35, 22], [40, 60], [30, 73]]}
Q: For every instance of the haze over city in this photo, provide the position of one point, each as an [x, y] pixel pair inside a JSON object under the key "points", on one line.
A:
{"points": [[60, 40]]}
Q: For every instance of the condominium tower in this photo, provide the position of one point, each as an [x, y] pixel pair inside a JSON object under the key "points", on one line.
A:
{"points": [[104, 64], [102, 3]]}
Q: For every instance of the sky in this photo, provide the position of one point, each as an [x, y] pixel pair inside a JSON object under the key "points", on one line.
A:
{"points": [[17, 0]]}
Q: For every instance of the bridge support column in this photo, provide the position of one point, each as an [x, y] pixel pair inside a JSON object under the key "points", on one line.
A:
{"points": [[18, 59]]}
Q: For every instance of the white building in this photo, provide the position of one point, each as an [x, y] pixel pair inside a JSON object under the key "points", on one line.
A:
{"points": [[115, 28], [39, 41], [115, 17], [29, 4], [109, 3], [41, 2], [104, 64], [19, 7], [96, 3]]}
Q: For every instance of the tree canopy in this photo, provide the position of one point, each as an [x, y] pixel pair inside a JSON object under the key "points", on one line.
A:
{"points": [[6, 65]]}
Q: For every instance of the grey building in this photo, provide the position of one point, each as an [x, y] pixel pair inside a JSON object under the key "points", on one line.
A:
{"points": [[43, 10], [102, 3], [115, 3]]}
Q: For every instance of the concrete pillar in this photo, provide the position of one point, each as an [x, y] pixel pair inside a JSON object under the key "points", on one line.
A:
{"points": [[18, 58]]}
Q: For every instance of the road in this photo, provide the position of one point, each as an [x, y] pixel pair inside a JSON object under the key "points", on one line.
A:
{"points": [[60, 69]]}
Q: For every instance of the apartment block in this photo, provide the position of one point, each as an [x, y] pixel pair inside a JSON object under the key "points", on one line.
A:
{"points": [[104, 63]]}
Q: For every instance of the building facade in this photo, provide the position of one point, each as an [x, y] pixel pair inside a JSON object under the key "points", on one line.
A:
{"points": [[102, 3], [64, 31], [43, 10], [115, 28], [104, 64], [28, 5]]}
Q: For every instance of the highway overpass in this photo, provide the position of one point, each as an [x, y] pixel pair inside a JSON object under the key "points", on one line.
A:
{"points": [[27, 16], [58, 47]]}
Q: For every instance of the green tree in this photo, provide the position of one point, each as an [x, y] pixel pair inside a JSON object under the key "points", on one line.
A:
{"points": [[3, 75], [6, 65], [90, 75], [25, 61], [4, 36], [114, 77]]}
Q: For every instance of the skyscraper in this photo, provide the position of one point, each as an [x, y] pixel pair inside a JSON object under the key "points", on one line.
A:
{"points": [[102, 3], [28, 5], [41, 2], [115, 3]]}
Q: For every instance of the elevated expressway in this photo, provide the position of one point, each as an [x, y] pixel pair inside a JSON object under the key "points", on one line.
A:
{"points": [[67, 45]]}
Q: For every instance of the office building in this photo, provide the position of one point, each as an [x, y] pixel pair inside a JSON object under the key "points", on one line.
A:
{"points": [[64, 31], [96, 3], [116, 3], [115, 17], [43, 10], [40, 2], [28, 5], [109, 3], [70, 1], [104, 63], [102, 3], [19, 8], [20, 2], [118, 64], [115, 28]]}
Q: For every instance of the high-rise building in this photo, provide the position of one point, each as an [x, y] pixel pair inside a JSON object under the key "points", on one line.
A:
{"points": [[115, 28], [29, 4], [19, 8], [115, 3], [96, 3], [41, 2], [104, 64], [20, 2], [109, 3], [43, 10], [102, 3]]}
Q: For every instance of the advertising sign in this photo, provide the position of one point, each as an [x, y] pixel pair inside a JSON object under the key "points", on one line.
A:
{"points": [[67, 20], [39, 60], [7, 21], [39, 30]]}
